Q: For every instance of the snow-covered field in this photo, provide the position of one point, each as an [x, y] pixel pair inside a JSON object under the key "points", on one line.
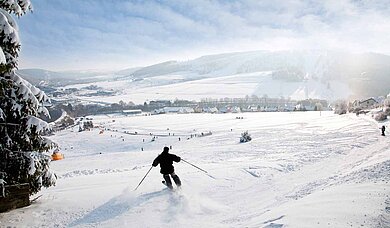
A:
{"points": [[306, 169], [172, 86]]}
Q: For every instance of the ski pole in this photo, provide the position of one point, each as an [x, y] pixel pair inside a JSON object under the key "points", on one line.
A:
{"points": [[193, 165], [143, 178]]}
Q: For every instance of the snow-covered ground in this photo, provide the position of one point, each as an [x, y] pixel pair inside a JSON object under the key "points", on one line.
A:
{"points": [[306, 169], [172, 86]]}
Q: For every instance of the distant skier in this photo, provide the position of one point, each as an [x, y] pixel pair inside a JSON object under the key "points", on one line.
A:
{"points": [[166, 160], [383, 130]]}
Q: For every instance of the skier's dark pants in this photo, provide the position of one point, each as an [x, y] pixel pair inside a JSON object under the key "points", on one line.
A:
{"points": [[175, 178]]}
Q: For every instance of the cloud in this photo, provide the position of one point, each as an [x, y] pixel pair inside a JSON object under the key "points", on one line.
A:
{"points": [[94, 34]]}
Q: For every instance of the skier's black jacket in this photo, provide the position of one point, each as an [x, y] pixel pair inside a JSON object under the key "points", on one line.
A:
{"points": [[166, 160]]}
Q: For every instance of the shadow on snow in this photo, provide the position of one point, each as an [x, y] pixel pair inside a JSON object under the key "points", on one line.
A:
{"points": [[116, 207]]}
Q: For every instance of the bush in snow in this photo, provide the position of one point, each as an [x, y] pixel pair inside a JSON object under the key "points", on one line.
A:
{"points": [[386, 102], [318, 107], [245, 137], [355, 110], [88, 125], [381, 116], [21, 144], [387, 111], [340, 107]]}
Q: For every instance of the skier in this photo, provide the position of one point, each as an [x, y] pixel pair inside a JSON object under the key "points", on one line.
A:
{"points": [[166, 160], [383, 130]]}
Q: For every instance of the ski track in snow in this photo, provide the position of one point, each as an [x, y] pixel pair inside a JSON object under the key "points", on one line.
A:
{"points": [[300, 170]]}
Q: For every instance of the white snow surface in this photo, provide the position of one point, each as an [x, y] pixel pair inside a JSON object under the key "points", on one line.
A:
{"points": [[2, 57], [231, 75], [170, 87], [301, 169]]}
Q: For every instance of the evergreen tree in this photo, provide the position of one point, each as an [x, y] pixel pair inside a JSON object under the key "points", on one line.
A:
{"points": [[21, 143]]}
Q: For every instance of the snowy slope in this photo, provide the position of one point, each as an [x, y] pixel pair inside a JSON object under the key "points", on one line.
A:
{"points": [[306, 169], [296, 74], [52, 78], [232, 86]]}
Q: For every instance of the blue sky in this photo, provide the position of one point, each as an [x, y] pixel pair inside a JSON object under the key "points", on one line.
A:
{"points": [[115, 34]]}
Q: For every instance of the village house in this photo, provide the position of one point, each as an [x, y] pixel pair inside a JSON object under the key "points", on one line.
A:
{"points": [[198, 109], [181, 110], [210, 110], [368, 103], [131, 112], [235, 109], [230, 109]]}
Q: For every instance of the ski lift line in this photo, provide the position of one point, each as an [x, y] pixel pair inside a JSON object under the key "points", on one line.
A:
{"points": [[153, 129], [145, 134], [159, 135]]}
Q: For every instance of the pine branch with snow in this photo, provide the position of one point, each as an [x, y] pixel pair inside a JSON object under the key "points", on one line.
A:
{"points": [[22, 146]]}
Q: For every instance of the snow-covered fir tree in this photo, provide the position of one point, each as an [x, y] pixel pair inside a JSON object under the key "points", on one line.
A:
{"points": [[22, 146]]}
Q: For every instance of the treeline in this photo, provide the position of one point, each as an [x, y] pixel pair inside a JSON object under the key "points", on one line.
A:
{"points": [[89, 109], [246, 101], [243, 103]]}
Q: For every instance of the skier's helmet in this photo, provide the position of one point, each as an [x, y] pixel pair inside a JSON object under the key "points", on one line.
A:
{"points": [[166, 149]]}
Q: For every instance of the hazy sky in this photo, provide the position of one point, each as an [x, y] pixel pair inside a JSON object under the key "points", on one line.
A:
{"points": [[117, 34]]}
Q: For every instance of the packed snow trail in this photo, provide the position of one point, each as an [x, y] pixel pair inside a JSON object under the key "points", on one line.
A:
{"points": [[174, 206], [299, 170]]}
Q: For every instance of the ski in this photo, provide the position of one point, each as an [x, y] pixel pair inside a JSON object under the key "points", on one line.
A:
{"points": [[172, 189], [164, 183], [31, 201]]}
